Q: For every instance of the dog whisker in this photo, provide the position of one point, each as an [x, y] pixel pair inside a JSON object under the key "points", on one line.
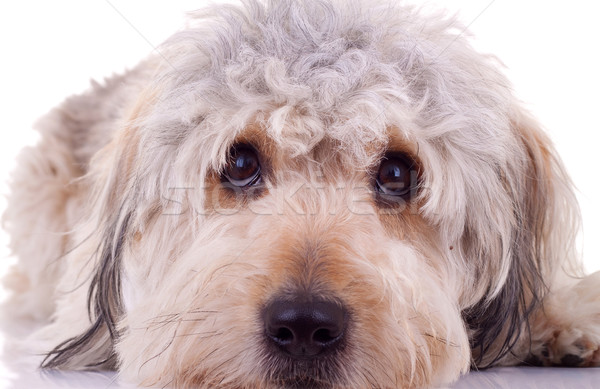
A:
{"points": [[166, 346], [202, 335], [441, 340]]}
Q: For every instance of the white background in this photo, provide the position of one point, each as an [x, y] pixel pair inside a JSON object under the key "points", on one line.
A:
{"points": [[51, 49]]}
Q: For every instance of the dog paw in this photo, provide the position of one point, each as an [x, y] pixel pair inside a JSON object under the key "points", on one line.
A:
{"points": [[566, 330], [569, 348]]}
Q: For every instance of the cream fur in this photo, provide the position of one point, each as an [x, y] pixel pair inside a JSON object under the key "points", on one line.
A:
{"points": [[118, 207]]}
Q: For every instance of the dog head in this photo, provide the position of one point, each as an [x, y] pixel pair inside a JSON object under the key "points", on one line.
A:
{"points": [[321, 194]]}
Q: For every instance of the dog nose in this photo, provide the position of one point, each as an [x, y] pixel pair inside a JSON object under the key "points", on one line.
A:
{"points": [[305, 330]]}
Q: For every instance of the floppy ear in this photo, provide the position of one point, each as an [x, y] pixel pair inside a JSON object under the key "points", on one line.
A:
{"points": [[111, 179], [545, 220]]}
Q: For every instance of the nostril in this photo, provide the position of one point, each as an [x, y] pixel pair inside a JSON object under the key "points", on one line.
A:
{"points": [[324, 336], [284, 335]]}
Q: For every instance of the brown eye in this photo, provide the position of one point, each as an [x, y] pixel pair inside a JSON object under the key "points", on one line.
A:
{"points": [[243, 168], [397, 176]]}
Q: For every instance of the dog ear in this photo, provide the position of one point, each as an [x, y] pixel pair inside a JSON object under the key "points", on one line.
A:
{"points": [[94, 347], [545, 220], [111, 179]]}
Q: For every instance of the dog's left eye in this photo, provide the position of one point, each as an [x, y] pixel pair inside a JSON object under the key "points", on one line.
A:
{"points": [[396, 176], [243, 167]]}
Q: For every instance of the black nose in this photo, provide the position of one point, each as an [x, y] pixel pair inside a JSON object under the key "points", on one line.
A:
{"points": [[305, 329]]}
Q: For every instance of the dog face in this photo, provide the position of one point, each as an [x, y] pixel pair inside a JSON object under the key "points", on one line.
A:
{"points": [[312, 245], [316, 194]]}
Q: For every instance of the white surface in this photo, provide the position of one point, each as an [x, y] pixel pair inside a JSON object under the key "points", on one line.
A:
{"points": [[531, 378], [51, 49], [509, 377]]}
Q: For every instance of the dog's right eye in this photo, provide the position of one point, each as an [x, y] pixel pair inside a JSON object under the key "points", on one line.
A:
{"points": [[243, 167]]}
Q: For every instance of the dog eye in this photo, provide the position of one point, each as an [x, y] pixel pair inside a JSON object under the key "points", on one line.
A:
{"points": [[243, 167], [396, 176]]}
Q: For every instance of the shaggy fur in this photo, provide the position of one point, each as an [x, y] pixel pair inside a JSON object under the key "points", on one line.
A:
{"points": [[137, 254]]}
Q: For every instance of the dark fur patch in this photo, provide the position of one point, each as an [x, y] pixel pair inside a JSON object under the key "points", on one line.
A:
{"points": [[571, 360], [104, 307], [505, 317]]}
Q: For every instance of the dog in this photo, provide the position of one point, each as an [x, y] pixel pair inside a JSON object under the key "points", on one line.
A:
{"points": [[315, 193]]}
